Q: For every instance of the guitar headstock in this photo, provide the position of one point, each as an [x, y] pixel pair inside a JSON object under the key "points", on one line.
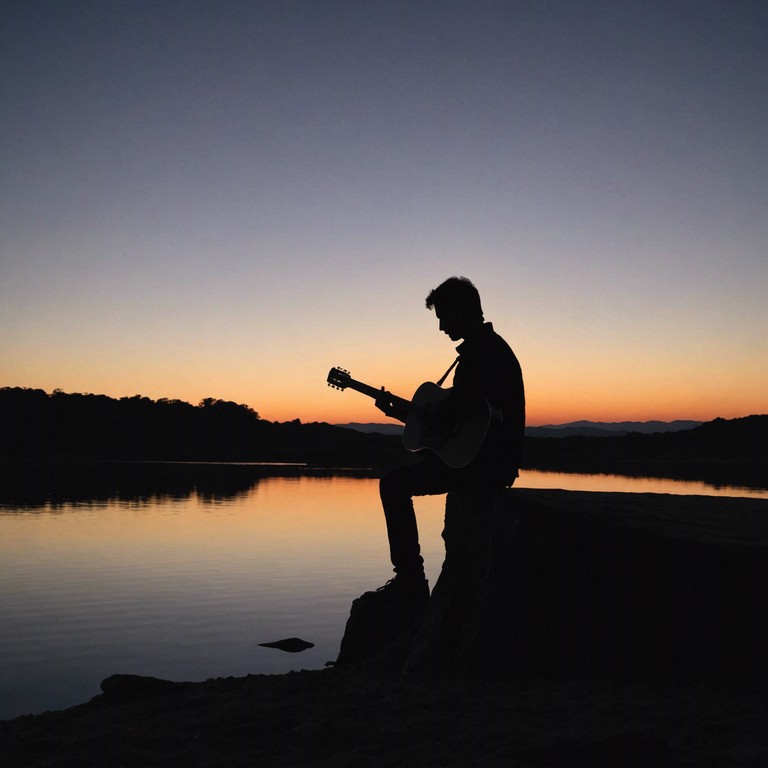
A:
{"points": [[338, 378]]}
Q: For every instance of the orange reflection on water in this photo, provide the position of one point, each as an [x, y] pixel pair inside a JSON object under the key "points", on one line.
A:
{"points": [[283, 525]]}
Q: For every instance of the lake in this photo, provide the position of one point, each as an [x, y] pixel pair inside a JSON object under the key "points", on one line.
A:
{"points": [[184, 585]]}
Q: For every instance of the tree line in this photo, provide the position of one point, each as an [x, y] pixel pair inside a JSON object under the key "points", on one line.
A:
{"points": [[721, 452], [35, 425], [65, 426]]}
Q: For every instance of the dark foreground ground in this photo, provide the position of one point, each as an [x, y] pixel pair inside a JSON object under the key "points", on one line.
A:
{"points": [[343, 718]]}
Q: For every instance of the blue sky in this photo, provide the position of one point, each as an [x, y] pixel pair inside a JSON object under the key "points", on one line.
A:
{"points": [[225, 199]]}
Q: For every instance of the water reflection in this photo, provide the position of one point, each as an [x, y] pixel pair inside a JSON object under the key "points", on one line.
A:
{"points": [[185, 587], [54, 485], [181, 574]]}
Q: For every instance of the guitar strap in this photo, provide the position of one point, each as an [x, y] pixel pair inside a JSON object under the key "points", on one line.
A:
{"points": [[445, 375]]}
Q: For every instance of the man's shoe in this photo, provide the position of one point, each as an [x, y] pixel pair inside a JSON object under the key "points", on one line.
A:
{"points": [[400, 590]]}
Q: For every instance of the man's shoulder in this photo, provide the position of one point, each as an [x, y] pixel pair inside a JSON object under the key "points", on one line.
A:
{"points": [[480, 338], [486, 345], [490, 338]]}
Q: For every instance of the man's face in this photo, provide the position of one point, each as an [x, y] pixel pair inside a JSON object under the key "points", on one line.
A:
{"points": [[452, 322]]}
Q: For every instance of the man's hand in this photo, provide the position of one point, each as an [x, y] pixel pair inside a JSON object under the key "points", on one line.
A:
{"points": [[385, 402]]}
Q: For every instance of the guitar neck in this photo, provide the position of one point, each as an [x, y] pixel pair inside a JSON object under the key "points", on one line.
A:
{"points": [[366, 389]]}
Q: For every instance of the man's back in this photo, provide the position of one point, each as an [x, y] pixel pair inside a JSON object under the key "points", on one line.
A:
{"points": [[489, 369]]}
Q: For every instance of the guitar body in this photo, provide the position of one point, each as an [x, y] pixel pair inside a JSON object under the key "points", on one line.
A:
{"points": [[456, 448]]}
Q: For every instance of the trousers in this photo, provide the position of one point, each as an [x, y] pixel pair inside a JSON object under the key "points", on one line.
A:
{"points": [[425, 478]]}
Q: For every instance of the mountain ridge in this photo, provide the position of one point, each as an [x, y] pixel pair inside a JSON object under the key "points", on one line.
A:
{"points": [[569, 429], [611, 428]]}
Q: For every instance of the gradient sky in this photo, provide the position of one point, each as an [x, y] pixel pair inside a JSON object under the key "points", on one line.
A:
{"points": [[226, 198]]}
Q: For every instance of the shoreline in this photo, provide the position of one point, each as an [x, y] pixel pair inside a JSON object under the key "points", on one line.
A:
{"points": [[29, 482], [340, 717]]}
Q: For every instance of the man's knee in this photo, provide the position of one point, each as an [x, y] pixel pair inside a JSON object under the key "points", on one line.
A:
{"points": [[391, 486]]}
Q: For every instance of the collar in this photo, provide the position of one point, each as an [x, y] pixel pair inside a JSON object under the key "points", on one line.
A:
{"points": [[483, 330]]}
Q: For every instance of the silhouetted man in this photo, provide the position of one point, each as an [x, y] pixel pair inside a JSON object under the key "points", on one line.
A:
{"points": [[487, 373]]}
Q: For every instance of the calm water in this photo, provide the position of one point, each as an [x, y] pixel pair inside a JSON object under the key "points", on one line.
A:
{"points": [[186, 585]]}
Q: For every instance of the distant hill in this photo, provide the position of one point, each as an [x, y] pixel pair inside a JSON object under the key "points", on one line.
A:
{"points": [[384, 429], [722, 451], [590, 428], [610, 428]]}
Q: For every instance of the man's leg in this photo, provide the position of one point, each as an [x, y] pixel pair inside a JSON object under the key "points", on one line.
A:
{"points": [[397, 489]]}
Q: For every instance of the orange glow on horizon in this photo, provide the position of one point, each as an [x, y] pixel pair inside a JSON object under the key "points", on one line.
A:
{"points": [[551, 399], [538, 416]]}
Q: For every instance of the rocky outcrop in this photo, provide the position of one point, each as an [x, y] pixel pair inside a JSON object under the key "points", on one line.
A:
{"points": [[583, 584], [378, 633]]}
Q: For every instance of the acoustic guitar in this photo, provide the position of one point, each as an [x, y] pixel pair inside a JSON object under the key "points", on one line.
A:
{"points": [[456, 446]]}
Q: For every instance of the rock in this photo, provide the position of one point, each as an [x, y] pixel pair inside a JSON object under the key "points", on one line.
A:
{"points": [[289, 645], [567, 584], [377, 632], [131, 687]]}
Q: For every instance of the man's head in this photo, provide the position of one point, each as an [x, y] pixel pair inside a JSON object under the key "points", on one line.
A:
{"points": [[457, 305]]}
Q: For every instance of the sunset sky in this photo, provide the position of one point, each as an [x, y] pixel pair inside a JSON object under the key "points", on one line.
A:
{"points": [[226, 198]]}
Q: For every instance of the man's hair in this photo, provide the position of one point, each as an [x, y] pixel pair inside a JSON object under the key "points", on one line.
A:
{"points": [[456, 293]]}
